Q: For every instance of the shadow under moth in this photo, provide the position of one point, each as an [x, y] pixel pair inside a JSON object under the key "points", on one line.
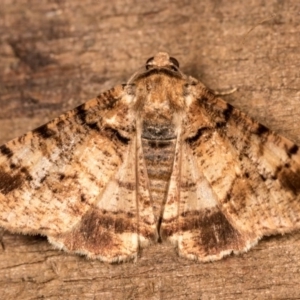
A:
{"points": [[160, 158]]}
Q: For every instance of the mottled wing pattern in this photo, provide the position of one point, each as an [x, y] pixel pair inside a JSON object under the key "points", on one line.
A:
{"points": [[199, 229], [239, 181], [74, 180], [264, 196]]}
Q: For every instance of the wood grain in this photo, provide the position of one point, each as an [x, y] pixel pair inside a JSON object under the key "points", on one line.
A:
{"points": [[57, 54]]}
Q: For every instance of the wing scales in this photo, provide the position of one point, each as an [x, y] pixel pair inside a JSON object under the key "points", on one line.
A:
{"points": [[75, 180]]}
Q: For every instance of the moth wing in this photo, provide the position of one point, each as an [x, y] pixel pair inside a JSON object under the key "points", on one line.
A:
{"points": [[73, 180], [192, 218], [261, 192], [234, 181], [119, 223]]}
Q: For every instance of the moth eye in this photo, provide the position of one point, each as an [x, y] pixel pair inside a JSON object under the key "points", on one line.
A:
{"points": [[175, 62], [149, 63]]}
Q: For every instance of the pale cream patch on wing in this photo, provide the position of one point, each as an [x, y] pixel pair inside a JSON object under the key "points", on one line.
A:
{"points": [[169, 223], [147, 221]]}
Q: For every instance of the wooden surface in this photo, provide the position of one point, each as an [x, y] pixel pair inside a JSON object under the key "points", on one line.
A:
{"points": [[57, 54]]}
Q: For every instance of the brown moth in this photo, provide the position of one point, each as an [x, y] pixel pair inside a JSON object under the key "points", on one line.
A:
{"points": [[160, 158]]}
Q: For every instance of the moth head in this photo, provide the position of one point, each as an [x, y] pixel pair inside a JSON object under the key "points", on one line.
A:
{"points": [[162, 60]]}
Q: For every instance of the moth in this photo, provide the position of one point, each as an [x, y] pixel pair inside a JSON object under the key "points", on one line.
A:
{"points": [[160, 158]]}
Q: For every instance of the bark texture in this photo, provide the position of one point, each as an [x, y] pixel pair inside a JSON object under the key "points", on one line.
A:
{"points": [[55, 55]]}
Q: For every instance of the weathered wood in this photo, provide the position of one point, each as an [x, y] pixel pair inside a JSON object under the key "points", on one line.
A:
{"points": [[57, 54]]}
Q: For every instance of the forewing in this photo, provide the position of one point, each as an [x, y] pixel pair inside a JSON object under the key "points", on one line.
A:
{"points": [[58, 178], [192, 218], [264, 196], [252, 174], [232, 182], [203, 232], [119, 223]]}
